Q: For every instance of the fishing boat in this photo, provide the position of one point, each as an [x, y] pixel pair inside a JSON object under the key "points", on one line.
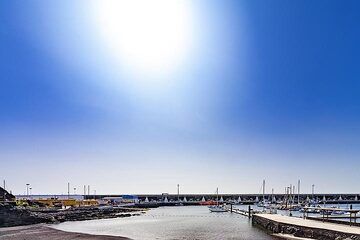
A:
{"points": [[217, 207]]}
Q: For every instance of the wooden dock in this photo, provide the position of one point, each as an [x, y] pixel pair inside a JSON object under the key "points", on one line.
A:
{"points": [[246, 213]]}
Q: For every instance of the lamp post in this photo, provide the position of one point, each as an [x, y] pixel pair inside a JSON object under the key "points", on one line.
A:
{"points": [[313, 191], [27, 189], [178, 193]]}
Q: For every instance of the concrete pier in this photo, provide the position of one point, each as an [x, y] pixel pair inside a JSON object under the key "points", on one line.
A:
{"points": [[305, 228]]}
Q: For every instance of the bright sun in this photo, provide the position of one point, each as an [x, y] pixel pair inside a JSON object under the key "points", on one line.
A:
{"points": [[146, 35]]}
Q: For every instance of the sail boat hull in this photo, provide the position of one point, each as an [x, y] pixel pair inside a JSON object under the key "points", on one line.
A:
{"points": [[217, 209]]}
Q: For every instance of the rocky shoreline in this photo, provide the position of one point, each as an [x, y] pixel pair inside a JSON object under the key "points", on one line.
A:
{"points": [[11, 216]]}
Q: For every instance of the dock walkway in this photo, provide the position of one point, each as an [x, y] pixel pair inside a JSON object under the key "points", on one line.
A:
{"points": [[309, 224]]}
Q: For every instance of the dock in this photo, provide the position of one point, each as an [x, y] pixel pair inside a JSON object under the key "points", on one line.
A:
{"points": [[305, 228], [247, 213]]}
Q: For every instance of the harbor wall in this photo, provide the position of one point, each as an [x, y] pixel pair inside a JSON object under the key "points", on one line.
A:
{"points": [[300, 231]]}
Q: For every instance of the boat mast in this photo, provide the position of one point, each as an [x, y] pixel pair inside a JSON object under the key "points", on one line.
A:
{"points": [[299, 191], [217, 196], [263, 191]]}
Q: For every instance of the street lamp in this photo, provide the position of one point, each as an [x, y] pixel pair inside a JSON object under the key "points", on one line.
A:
{"points": [[313, 190], [27, 189]]}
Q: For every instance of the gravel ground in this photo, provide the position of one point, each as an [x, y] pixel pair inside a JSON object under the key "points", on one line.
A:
{"points": [[44, 232]]}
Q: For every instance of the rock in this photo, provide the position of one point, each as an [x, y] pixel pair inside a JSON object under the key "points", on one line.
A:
{"points": [[15, 216], [5, 196]]}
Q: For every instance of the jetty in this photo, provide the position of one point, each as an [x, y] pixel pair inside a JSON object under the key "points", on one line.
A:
{"points": [[305, 228]]}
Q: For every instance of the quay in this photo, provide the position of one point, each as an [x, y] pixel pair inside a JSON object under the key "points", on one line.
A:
{"points": [[304, 228]]}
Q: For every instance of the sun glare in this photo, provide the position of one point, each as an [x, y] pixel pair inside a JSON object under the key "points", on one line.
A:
{"points": [[146, 35]]}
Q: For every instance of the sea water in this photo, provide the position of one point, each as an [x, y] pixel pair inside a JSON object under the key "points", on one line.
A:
{"points": [[170, 223]]}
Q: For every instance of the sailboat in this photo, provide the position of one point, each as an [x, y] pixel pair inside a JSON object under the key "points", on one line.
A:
{"points": [[264, 203], [217, 207]]}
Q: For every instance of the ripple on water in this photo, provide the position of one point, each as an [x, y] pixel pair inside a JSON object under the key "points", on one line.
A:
{"points": [[170, 223]]}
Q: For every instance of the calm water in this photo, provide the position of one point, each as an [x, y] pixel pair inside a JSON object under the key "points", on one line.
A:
{"points": [[170, 223]]}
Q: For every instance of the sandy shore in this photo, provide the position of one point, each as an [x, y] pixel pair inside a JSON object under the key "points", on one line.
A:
{"points": [[44, 232]]}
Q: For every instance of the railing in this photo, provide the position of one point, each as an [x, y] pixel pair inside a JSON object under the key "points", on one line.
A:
{"points": [[328, 211]]}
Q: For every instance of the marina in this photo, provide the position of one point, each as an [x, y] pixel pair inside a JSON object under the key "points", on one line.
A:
{"points": [[173, 216]]}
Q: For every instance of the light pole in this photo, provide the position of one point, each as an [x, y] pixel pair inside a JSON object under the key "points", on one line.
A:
{"points": [[74, 190], [27, 189], [4, 191], [178, 193], [30, 191], [68, 186], [313, 190]]}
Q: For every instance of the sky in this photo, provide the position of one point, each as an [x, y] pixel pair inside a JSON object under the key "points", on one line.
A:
{"points": [[139, 96]]}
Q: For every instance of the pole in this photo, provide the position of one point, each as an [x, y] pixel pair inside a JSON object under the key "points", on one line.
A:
{"points": [[299, 191], [293, 199], [84, 190], [88, 189], [264, 193], [68, 186], [27, 189], [178, 192], [217, 196], [290, 198], [4, 191], [313, 190]]}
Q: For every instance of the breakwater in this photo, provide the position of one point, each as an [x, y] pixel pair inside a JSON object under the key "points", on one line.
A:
{"points": [[332, 198]]}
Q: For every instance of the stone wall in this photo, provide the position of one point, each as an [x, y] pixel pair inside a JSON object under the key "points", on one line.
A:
{"points": [[299, 231]]}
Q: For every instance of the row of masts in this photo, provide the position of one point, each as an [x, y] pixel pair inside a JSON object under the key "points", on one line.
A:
{"points": [[290, 192]]}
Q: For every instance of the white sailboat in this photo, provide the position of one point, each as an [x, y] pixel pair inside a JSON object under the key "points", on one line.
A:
{"points": [[217, 207]]}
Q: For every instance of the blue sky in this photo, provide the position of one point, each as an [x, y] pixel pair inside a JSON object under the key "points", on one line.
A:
{"points": [[255, 89]]}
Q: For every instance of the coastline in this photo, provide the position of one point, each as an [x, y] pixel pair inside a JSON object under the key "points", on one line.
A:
{"points": [[12, 216], [45, 232]]}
